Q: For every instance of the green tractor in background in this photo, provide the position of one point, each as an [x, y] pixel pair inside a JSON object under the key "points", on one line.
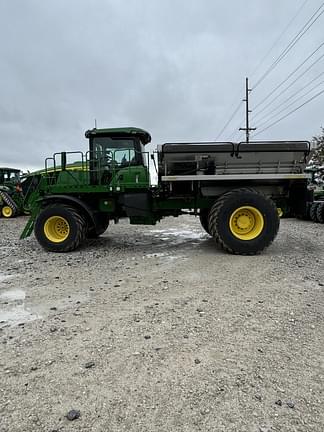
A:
{"points": [[11, 195], [316, 208], [17, 190]]}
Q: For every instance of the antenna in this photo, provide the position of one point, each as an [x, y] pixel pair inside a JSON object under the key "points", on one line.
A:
{"points": [[247, 128], [95, 121]]}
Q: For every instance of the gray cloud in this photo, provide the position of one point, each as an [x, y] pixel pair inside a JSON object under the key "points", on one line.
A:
{"points": [[172, 67]]}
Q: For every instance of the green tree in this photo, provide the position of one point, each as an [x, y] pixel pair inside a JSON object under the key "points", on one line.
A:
{"points": [[317, 153]]}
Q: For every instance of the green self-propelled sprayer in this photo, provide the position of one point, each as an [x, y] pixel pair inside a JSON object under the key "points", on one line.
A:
{"points": [[236, 189]]}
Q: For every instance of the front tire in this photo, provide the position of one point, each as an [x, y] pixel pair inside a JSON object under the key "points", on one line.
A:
{"points": [[60, 228], [7, 212], [244, 221]]}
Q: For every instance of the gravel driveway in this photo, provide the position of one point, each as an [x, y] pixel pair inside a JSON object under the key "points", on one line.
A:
{"points": [[155, 329]]}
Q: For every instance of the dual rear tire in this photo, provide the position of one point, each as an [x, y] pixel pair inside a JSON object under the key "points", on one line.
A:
{"points": [[316, 211], [242, 221]]}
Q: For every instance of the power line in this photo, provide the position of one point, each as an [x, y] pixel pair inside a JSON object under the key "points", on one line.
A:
{"points": [[290, 112], [229, 120], [291, 74], [292, 103], [235, 132], [290, 85], [288, 99], [304, 29], [291, 44], [278, 39]]}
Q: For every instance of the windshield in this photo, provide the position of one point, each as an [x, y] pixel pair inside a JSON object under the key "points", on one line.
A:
{"points": [[9, 176], [119, 150]]}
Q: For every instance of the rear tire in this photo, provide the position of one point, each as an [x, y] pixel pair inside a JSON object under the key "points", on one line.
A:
{"points": [[102, 223], [313, 211], [320, 213], [308, 207], [60, 228], [204, 219], [244, 221]]}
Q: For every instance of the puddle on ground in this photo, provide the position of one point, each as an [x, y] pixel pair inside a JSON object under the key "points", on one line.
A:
{"points": [[12, 306], [12, 295], [164, 255], [155, 255], [177, 236], [4, 277]]}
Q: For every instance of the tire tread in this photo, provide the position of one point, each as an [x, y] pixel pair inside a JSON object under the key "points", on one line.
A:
{"points": [[214, 214], [313, 211], [10, 202], [81, 230], [320, 212]]}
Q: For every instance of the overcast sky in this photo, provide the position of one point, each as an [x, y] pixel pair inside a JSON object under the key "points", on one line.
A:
{"points": [[173, 67]]}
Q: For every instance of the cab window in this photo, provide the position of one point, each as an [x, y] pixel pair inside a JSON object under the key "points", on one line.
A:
{"points": [[120, 151]]}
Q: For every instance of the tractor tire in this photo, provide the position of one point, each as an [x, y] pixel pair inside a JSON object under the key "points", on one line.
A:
{"points": [[313, 211], [7, 212], [320, 212], [244, 221], [10, 209], [99, 228], [204, 219], [308, 207], [60, 228]]}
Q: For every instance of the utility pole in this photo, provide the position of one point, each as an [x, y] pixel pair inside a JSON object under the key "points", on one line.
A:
{"points": [[247, 128]]}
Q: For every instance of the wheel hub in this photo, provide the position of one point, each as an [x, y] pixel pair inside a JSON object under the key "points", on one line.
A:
{"points": [[7, 211], [246, 223], [56, 229]]}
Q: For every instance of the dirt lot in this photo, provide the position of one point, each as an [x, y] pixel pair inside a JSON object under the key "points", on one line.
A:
{"points": [[155, 329]]}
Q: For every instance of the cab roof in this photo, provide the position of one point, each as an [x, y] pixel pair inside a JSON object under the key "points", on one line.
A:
{"points": [[142, 134], [9, 169]]}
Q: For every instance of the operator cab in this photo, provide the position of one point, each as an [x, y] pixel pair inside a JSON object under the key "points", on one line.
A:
{"points": [[113, 149], [9, 175]]}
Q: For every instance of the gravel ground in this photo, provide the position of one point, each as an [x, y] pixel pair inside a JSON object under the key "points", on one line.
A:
{"points": [[155, 329]]}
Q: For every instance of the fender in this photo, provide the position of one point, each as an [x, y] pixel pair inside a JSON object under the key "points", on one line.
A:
{"points": [[68, 199]]}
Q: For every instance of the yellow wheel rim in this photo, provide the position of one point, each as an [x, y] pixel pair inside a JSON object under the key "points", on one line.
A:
{"points": [[7, 211], [246, 223], [56, 229]]}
